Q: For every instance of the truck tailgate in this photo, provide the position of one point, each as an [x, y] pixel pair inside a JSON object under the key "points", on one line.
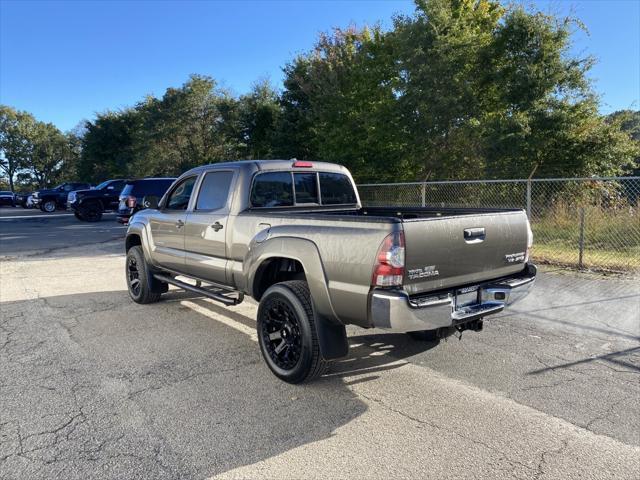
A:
{"points": [[450, 251]]}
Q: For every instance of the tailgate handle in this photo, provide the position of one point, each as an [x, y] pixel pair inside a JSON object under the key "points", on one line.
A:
{"points": [[474, 235]]}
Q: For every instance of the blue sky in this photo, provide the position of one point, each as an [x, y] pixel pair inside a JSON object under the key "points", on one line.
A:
{"points": [[64, 61]]}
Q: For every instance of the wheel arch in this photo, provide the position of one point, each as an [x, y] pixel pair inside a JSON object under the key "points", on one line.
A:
{"points": [[274, 270], [132, 240], [137, 235], [297, 251]]}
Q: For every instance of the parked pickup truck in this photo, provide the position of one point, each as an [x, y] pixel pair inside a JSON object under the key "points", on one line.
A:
{"points": [[51, 198], [294, 236], [88, 205]]}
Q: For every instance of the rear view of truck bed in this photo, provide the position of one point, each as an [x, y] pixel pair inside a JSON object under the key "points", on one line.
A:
{"points": [[451, 250], [454, 247]]}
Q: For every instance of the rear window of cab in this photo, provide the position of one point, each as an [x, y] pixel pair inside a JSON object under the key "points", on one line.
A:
{"points": [[286, 189]]}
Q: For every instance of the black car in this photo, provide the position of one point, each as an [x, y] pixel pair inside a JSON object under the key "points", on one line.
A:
{"points": [[50, 199], [22, 199], [89, 205], [135, 190], [7, 198]]}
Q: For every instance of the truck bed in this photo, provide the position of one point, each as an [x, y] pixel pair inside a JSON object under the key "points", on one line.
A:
{"points": [[445, 247]]}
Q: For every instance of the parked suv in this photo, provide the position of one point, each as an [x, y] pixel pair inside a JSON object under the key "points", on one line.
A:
{"points": [[7, 198], [134, 192], [89, 205], [51, 198], [22, 199]]}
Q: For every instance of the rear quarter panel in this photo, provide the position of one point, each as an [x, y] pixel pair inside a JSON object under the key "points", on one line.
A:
{"points": [[346, 248]]}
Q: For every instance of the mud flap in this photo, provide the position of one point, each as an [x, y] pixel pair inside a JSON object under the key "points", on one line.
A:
{"points": [[332, 339], [155, 285]]}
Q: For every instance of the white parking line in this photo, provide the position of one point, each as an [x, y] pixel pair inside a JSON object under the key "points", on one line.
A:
{"points": [[18, 217], [22, 217], [250, 332]]}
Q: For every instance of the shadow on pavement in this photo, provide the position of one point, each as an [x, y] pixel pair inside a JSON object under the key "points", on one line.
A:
{"points": [[612, 358], [94, 385]]}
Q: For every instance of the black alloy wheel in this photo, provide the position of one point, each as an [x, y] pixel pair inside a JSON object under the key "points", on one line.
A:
{"points": [[281, 329], [133, 275], [143, 288], [287, 332]]}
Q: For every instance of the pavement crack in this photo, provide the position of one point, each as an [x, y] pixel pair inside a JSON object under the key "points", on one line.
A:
{"points": [[542, 463], [607, 412], [563, 381], [502, 455]]}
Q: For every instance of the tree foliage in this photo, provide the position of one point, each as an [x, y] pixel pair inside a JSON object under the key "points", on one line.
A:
{"points": [[459, 89], [34, 152]]}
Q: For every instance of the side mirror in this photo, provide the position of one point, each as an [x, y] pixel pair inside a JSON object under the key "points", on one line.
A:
{"points": [[150, 201]]}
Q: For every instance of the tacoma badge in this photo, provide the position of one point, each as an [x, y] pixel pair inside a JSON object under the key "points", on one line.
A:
{"points": [[515, 257], [423, 272]]}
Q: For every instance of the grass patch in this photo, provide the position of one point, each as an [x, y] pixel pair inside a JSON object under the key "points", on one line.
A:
{"points": [[600, 260], [611, 237]]}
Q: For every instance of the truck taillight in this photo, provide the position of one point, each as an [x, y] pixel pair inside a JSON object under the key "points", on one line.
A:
{"points": [[132, 201], [389, 268]]}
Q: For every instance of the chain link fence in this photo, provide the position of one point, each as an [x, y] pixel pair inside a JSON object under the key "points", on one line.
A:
{"points": [[587, 223]]}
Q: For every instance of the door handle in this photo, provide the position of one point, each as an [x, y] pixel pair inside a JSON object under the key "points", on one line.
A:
{"points": [[216, 226], [474, 235], [179, 224]]}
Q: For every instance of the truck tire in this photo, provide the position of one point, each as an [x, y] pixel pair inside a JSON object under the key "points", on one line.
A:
{"points": [[287, 333], [48, 206], [92, 212], [139, 278]]}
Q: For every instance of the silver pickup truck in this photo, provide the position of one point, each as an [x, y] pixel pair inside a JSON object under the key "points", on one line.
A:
{"points": [[294, 236]]}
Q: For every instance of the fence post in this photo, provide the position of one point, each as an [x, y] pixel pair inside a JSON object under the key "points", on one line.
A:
{"points": [[529, 199], [581, 241], [424, 194], [535, 167]]}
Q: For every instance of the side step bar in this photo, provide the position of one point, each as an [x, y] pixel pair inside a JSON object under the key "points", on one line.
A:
{"points": [[213, 295]]}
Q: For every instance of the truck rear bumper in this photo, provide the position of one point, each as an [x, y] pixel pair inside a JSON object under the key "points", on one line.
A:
{"points": [[396, 311]]}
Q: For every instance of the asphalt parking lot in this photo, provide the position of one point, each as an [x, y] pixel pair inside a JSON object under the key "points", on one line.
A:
{"points": [[95, 386], [30, 230]]}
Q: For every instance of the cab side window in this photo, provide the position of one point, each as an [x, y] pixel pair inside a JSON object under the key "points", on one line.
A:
{"points": [[214, 190], [116, 186], [180, 195], [272, 189]]}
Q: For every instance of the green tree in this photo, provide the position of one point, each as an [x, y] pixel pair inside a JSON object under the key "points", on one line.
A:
{"points": [[110, 145], [439, 55], [259, 115], [33, 152], [343, 94], [294, 136], [460, 89], [187, 127], [16, 131], [52, 156], [628, 121]]}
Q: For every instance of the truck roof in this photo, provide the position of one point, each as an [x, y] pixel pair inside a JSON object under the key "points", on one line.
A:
{"points": [[272, 165]]}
